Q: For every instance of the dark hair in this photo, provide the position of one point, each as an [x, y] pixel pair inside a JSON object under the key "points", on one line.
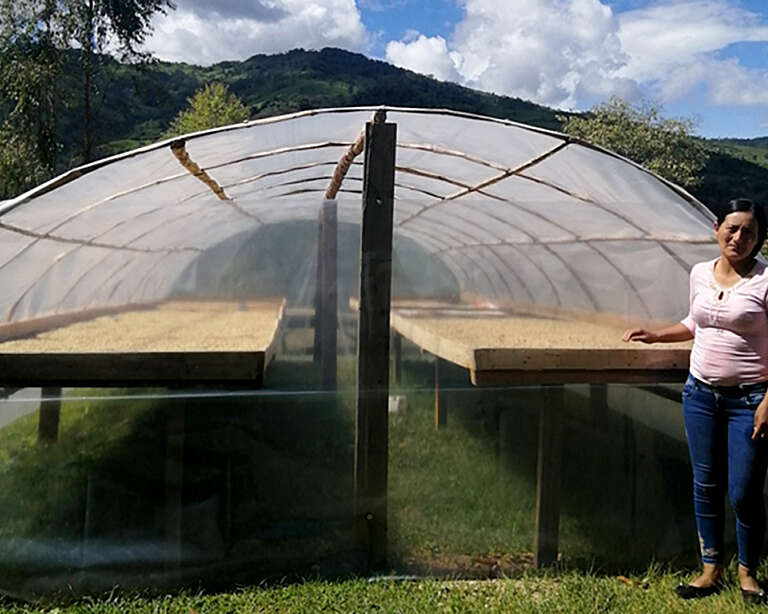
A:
{"points": [[747, 204]]}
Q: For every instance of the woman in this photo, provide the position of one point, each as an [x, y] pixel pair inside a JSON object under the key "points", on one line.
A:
{"points": [[724, 398]]}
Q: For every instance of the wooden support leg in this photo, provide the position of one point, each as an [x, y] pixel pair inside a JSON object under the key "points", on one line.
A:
{"points": [[441, 403], [50, 411], [174, 480], [548, 479]]}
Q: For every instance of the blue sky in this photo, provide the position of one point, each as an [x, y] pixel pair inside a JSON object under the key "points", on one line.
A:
{"points": [[702, 59]]}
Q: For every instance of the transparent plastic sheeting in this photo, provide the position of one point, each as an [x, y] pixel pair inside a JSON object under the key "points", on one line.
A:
{"points": [[510, 213], [217, 489]]}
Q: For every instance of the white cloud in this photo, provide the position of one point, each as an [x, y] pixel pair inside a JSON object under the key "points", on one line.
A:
{"points": [[570, 52], [428, 56], [674, 33], [675, 45], [544, 50], [197, 34]]}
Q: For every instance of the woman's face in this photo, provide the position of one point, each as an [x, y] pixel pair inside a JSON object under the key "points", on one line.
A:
{"points": [[737, 235]]}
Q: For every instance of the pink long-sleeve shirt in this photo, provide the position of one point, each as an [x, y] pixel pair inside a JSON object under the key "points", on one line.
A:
{"points": [[730, 327]]}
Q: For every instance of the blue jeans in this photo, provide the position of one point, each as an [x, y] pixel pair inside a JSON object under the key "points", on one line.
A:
{"points": [[718, 425]]}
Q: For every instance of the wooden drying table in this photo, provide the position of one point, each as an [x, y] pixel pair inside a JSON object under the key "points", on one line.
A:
{"points": [[172, 344], [500, 348]]}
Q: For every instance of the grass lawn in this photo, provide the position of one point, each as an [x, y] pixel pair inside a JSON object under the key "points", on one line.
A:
{"points": [[575, 592]]}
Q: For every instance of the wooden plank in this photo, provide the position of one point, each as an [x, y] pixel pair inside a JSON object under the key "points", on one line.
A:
{"points": [[550, 452], [494, 359], [371, 418], [132, 368], [50, 412], [328, 319]]}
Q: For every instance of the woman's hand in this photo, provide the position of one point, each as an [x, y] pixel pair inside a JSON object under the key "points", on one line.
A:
{"points": [[639, 334], [761, 420]]}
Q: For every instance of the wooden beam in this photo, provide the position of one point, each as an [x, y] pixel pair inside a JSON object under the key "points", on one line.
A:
{"points": [[550, 454], [50, 413], [132, 368], [371, 418]]}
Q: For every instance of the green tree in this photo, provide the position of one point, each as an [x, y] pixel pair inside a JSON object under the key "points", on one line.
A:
{"points": [[58, 26], [21, 167], [639, 132], [29, 64], [94, 24], [212, 106]]}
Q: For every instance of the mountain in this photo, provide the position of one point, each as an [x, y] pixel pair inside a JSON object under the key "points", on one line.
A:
{"points": [[133, 105]]}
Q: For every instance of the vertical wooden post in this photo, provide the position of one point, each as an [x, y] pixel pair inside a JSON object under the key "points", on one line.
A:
{"points": [[371, 418], [548, 475], [50, 412], [328, 316], [441, 404]]}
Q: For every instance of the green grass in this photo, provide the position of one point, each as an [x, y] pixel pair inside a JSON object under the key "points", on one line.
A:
{"points": [[576, 592]]}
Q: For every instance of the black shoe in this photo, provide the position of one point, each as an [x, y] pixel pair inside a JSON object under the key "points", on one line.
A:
{"points": [[754, 597], [688, 591]]}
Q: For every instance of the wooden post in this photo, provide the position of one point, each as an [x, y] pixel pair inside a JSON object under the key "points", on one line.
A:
{"points": [[441, 404], [327, 320], [548, 475], [50, 412], [371, 418]]}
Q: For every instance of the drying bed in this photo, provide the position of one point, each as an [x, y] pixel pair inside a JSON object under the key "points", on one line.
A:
{"points": [[176, 342]]}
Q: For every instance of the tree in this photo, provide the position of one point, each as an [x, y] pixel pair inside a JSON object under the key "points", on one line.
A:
{"points": [[90, 26], [29, 64], [663, 145], [94, 24], [210, 107], [21, 167]]}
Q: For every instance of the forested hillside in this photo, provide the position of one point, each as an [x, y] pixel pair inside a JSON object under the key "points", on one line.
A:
{"points": [[134, 104]]}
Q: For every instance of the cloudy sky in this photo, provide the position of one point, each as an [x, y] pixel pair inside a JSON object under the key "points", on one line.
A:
{"points": [[706, 59]]}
